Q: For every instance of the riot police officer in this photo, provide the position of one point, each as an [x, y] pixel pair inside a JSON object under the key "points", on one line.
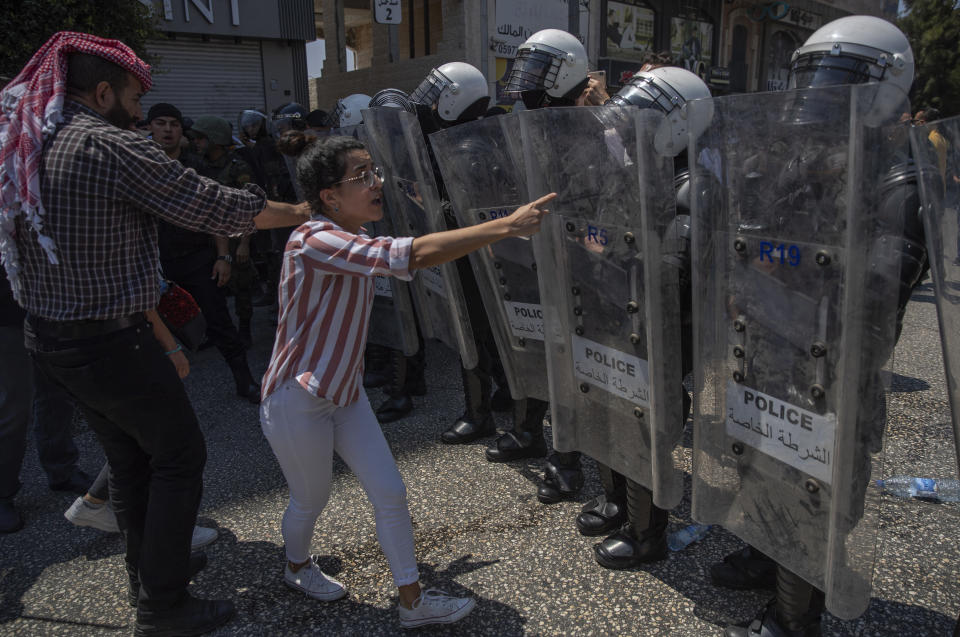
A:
{"points": [[550, 69], [452, 94], [270, 172], [784, 188], [626, 506]]}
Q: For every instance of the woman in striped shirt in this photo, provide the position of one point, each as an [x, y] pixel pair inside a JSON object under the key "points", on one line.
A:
{"points": [[313, 403]]}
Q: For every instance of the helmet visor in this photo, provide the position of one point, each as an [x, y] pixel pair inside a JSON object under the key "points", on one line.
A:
{"points": [[430, 88], [533, 70], [823, 69], [645, 93], [333, 119]]}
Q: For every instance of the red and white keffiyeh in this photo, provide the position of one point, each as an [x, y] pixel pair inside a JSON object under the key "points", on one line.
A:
{"points": [[32, 106]]}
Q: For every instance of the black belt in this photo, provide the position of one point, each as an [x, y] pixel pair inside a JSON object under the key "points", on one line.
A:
{"points": [[79, 330]]}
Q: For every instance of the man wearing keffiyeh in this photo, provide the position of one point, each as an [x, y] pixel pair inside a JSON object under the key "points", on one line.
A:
{"points": [[80, 199]]}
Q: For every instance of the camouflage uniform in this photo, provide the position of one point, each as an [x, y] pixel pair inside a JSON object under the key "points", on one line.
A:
{"points": [[230, 170], [270, 172]]}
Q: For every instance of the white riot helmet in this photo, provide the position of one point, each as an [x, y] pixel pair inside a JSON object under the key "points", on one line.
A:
{"points": [[854, 50], [458, 89], [348, 111], [668, 89], [552, 61]]}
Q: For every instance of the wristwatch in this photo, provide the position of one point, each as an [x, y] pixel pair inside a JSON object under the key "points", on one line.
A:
{"points": [[225, 257]]}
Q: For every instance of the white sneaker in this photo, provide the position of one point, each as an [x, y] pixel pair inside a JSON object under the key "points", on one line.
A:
{"points": [[314, 582], [100, 517], [202, 536], [435, 607]]}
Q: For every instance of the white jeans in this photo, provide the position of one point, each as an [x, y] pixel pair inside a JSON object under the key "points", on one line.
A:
{"points": [[304, 431]]}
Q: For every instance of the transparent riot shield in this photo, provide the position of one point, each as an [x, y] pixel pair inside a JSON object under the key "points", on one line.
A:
{"points": [[393, 322], [611, 306], [482, 170], [939, 167], [410, 191], [795, 300]]}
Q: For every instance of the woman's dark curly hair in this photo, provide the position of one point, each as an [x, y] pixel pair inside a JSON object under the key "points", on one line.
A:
{"points": [[321, 161]]}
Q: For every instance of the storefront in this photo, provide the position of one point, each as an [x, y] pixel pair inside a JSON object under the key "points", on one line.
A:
{"points": [[222, 56], [634, 31]]}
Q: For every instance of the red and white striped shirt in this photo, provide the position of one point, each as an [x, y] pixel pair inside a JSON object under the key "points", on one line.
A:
{"points": [[326, 293]]}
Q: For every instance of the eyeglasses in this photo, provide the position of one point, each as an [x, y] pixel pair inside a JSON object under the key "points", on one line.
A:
{"points": [[367, 178]]}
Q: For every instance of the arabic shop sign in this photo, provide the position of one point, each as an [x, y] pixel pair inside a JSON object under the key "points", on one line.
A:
{"points": [[386, 11], [783, 12], [517, 20], [793, 435]]}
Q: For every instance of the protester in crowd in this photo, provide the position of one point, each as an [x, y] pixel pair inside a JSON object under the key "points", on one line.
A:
{"points": [[314, 403], [197, 261], [166, 128], [81, 195]]}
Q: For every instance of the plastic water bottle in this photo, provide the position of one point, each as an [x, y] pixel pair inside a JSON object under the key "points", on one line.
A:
{"points": [[679, 540], [944, 490]]}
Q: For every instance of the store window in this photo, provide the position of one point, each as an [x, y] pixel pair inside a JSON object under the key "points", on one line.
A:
{"points": [[691, 43], [778, 56], [628, 34]]}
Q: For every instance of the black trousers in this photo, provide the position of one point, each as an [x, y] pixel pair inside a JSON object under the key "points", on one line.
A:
{"points": [[192, 273], [138, 407]]}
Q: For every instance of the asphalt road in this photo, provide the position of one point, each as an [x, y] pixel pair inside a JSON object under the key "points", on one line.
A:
{"points": [[479, 530]]}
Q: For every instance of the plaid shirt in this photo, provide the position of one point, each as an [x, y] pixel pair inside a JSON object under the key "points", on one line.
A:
{"points": [[103, 190]]}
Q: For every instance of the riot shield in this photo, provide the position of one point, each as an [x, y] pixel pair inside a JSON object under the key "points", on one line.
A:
{"points": [[611, 305], [795, 298], [939, 170], [393, 323], [482, 169], [411, 193]]}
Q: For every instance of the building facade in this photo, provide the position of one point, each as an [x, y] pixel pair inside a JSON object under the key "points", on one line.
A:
{"points": [[219, 57], [735, 45]]}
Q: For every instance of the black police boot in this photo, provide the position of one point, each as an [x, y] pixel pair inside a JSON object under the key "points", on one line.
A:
{"points": [[376, 369], [796, 612], [606, 512], [501, 401], [399, 404], [476, 421], [747, 568], [642, 539], [247, 388], [562, 477], [525, 440]]}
